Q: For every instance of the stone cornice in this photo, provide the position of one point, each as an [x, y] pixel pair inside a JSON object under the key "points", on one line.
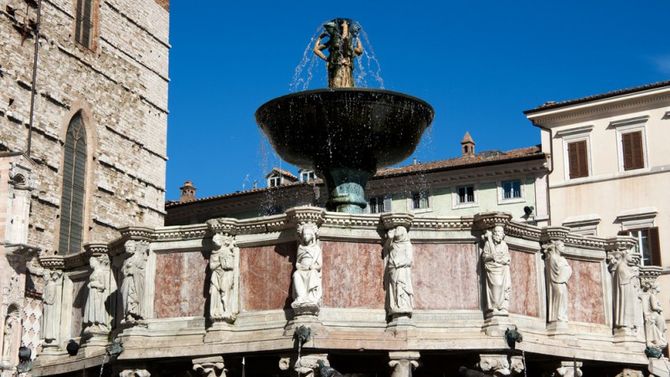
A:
{"points": [[54, 262], [488, 220], [137, 233], [393, 219]]}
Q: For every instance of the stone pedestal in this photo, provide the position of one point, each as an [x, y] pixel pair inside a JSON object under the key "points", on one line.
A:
{"points": [[402, 363], [497, 324], [659, 367]]}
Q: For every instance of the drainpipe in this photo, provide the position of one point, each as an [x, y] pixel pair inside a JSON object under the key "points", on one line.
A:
{"points": [[551, 166], [34, 80]]}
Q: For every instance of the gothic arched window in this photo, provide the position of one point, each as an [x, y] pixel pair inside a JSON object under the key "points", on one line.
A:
{"points": [[74, 188]]}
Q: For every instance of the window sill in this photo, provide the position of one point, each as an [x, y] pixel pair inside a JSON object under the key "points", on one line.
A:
{"points": [[422, 210], [465, 205], [511, 201]]}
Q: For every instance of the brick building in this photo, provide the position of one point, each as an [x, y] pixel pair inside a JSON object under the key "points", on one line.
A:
{"points": [[92, 157]]}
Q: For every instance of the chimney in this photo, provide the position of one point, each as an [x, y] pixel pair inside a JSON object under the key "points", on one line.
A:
{"points": [[187, 192], [468, 146]]}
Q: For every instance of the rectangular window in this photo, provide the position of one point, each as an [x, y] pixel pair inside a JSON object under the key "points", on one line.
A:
{"points": [[631, 147], [274, 181], [84, 22], [466, 194], [578, 159], [420, 200], [307, 176], [648, 245], [511, 189], [380, 204]]}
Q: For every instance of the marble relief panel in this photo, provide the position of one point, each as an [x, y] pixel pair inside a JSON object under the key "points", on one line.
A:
{"points": [[180, 289], [586, 292], [524, 298], [265, 276]]}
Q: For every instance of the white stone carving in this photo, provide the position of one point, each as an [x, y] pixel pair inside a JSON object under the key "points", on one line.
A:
{"points": [[652, 311], [134, 373], [626, 286], [305, 365], [398, 259], [96, 318], [403, 363], [496, 260], [558, 272], [132, 288], [307, 288], [210, 367], [51, 306], [630, 373], [222, 264], [9, 336], [568, 369], [498, 365]]}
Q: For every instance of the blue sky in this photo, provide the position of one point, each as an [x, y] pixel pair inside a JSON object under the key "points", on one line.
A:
{"points": [[478, 63]]}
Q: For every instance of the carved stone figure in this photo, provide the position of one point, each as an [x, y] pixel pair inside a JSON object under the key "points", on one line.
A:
{"points": [[558, 274], [132, 288], [342, 34], [134, 373], [568, 369], [96, 318], [654, 321], [11, 326], [307, 289], [222, 264], [497, 365], [496, 260], [210, 366], [625, 284], [398, 258], [403, 363], [51, 306]]}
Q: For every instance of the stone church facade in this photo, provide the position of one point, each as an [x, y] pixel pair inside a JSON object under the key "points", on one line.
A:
{"points": [[91, 158]]}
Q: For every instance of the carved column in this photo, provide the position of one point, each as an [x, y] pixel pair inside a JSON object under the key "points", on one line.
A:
{"points": [[624, 265], [568, 369], [398, 257], [496, 277], [307, 286], [403, 363], [210, 366], [557, 273], [224, 267]]}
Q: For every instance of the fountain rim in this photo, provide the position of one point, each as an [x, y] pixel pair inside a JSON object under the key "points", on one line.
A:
{"points": [[343, 90]]}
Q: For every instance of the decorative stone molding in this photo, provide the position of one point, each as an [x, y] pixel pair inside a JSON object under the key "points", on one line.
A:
{"points": [[305, 214], [134, 373], [96, 249], [524, 231], [489, 220], [403, 363], [183, 233], [53, 262], [347, 220], [495, 364], [620, 243], [554, 233], [463, 223], [137, 233], [393, 220], [223, 225], [568, 369], [209, 366]]}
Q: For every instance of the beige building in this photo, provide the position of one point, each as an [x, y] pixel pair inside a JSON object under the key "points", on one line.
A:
{"points": [[83, 125], [610, 166]]}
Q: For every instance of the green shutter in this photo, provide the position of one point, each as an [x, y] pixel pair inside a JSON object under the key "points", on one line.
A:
{"points": [[74, 188]]}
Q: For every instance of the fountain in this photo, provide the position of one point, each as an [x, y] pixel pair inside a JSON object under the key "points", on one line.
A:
{"points": [[344, 133]]}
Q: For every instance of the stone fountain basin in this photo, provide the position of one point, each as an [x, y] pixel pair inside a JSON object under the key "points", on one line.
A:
{"points": [[351, 128]]}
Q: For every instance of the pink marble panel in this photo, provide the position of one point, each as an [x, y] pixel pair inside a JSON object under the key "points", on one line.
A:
{"points": [[79, 296], [180, 285], [265, 276], [524, 299], [352, 275], [445, 276], [585, 292]]}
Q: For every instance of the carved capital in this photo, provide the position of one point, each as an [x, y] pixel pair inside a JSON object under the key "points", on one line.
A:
{"points": [[554, 233], [307, 365], [648, 277], [620, 243], [223, 225], [392, 220], [134, 373], [568, 369], [489, 220], [53, 262], [306, 214], [403, 363], [630, 373], [209, 366], [95, 249], [137, 233], [498, 365]]}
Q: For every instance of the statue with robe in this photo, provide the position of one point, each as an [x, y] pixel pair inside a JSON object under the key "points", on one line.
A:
{"points": [[654, 320], [558, 273], [343, 45], [222, 264], [132, 288], [398, 258], [307, 287], [51, 306], [626, 287], [496, 260], [11, 326], [96, 318]]}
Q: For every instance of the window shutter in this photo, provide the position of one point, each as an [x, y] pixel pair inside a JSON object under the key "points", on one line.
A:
{"points": [[578, 159], [631, 145], [655, 247], [387, 203]]}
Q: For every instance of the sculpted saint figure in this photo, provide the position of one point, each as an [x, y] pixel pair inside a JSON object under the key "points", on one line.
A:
{"points": [[654, 321], [307, 277], [340, 44], [222, 265], [626, 284], [496, 260], [132, 288], [8, 335], [398, 258], [95, 316], [558, 274], [51, 306]]}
